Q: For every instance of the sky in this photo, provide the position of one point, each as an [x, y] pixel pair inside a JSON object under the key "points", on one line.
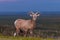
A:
{"points": [[29, 5]]}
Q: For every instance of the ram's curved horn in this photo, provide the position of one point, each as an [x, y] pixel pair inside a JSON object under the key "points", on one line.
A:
{"points": [[31, 12]]}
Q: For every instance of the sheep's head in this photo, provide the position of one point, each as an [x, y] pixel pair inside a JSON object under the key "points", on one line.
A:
{"points": [[34, 15]]}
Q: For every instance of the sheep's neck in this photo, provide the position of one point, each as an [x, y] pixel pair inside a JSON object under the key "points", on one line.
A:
{"points": [[33, 21]]}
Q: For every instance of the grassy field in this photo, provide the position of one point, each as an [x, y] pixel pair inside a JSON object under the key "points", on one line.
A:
{"points": [[23, 38]]}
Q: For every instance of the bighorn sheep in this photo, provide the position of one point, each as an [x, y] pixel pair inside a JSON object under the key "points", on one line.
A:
{"points": [[26, 25]]}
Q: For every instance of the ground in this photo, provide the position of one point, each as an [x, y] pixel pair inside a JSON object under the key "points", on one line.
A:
{"points": [[24, 38]]}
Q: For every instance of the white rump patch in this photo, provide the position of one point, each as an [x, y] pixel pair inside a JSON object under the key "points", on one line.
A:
{"points": [[15, 22]]}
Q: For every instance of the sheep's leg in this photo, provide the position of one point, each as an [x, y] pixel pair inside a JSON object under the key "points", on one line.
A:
{"points": [[31, 32], [25, 33], [17, 32], [14, 34]]}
